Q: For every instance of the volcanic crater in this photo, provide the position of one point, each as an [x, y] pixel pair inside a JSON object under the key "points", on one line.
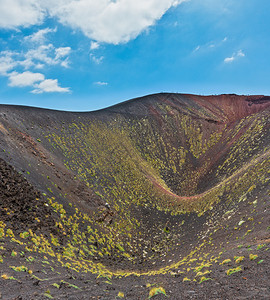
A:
{"points": [[163, 188]]}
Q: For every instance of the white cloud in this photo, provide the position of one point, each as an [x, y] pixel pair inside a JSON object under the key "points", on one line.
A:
{"points": [[106, 21], [95, 59], [7, 63], [236, 55], [197, 49], [110, 21], [27, 63], [24, 79], [39, 66], [101, 83], [15, 13], [49, 86], [65, 63], [37, 58], [39, 37], [210, 45], [62, 52], [43, 53], [229, 59], [37, 81], [240, 53], [46, 54], [94, 45]]}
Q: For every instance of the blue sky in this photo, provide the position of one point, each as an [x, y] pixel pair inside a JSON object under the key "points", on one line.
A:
{"points": [[84, 55]]}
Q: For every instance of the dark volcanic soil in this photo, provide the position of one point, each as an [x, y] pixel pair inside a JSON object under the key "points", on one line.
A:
{"points": [[163, 194], [22, 204]]}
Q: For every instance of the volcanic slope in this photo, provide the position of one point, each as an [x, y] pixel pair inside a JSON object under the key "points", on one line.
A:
{"points": [[165, 185]]}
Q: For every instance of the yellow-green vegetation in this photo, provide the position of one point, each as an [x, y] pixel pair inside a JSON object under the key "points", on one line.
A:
{"points": [[234, 270], [238, 259], [253, 256], [202, 279], [48, 294], [121, 295], [186, 279], [7, 277], [260, 246], [203, 273], [19, 269], [155, 291], [226, 261]]}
